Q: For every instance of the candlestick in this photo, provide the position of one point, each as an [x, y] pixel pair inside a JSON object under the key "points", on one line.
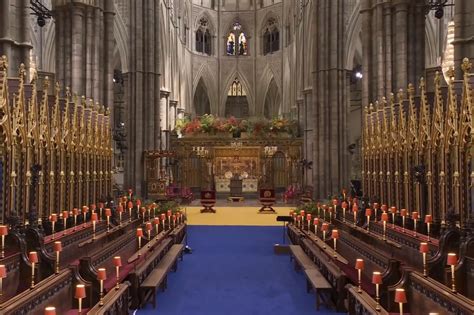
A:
{"points": [[359, 265], [424, 250], [3, 274], [53, 219], [94, 220], [139, 235], [3, 233], [368, 213], [315, 223], [414, 216], [324, 228], [377, 280], [384, 222], [400, 298], [65, 216], [75, 213], [57, 248], [403, 213], [80, 294], [101, 276], [428, 220], [452, 261], [117, 264], [108, 213], [33, 258]]}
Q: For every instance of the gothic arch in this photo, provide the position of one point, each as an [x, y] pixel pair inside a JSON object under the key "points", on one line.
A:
{"points": [[121, 39], [209, 19], [201, 101], [270, 14], [210, 81], [245, 84], [354, 43], [272, 104], [266, 78]]}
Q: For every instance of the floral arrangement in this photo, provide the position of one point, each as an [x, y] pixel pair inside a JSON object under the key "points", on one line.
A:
{"points": [[255, 126]]}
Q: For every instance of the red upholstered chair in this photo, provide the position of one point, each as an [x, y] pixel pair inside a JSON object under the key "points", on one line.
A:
{"points": [[208, 200], [267, 199]]}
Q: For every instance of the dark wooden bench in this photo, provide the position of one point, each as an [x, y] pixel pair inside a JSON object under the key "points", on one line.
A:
{"points": [[315, 280], [362, 303], [115, 302], [158, 277], [302, 261]]}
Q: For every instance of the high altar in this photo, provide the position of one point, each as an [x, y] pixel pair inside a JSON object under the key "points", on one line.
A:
{"points": [[210, 161]]}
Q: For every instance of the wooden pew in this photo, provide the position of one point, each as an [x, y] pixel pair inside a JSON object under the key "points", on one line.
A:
{"points": [[362, 303], [115, 302], [56, 290], [158, 277], [426, 295]]}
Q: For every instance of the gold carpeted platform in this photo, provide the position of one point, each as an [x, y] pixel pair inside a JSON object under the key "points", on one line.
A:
{"points": [[235, 216]]}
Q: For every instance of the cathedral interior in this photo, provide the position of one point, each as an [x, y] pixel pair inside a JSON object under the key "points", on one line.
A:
{"points": [[131, 130]]}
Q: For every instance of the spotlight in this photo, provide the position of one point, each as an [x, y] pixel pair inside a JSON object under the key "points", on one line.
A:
{"points": [[439, 13], [41, 21], [358, 75]]}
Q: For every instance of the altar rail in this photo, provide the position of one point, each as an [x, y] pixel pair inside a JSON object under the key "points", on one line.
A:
{"points": [[413, 146], [55, 153]]}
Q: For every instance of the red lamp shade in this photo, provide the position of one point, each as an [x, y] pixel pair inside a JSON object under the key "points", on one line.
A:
{"points": [[50, 310], [393, 209], [452, 259], [58, 247], [368, 212], [129, 204], [142, 209], [101, 205], [101, 274], [376, 205], [108, 212], [335, 202], [139, 232], [168, 213], [173, 217], [298, 217], [308, 217], [344, 205], [94, 217], [84, 209], [302, 212], [3, 271], [316, 221], [54, 217], [75, 211], [65, 214], [355, 208], [424, 247], [325, 227], [80, 291], [428, 218], [148, 226], [376, 277], [33, 257], [120, 208], [139, 203], [359, 264], [403, 212], [3, 230], [400, 296], [325, 206], [414, 215], [93, 207], [385, 216], [384, 208], [156, 220], [117, 261], [335, 234], [163, 217]]}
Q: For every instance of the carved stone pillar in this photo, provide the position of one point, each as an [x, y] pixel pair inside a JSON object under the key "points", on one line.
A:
{"points": [[172, 114], [164, 98]]}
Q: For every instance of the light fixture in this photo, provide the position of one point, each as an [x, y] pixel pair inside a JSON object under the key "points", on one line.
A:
{"points": [[41, 11], [438, 7]]}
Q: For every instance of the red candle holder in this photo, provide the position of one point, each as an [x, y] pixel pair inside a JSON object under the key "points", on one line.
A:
{"points": [[79, 295], [424, 251], [50, 310], [384, 222], [117, 264], [452, 260], [359, 265], [101, 276], [400, 298], [403, 213], [65, 217], [428, 221], [377, 280], [33, 258], [58, 248], [414, 216], [335, 236], [3, 274], [3, 233]]}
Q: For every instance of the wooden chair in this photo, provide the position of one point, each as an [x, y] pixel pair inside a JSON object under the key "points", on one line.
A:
{"points": [[267, 199], [208, 201]]}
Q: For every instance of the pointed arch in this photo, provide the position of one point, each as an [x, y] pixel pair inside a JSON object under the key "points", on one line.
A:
{"points": [[353, 44], [246, 86], [272, 104], [121, 38], [210, 81], [201, 102]]}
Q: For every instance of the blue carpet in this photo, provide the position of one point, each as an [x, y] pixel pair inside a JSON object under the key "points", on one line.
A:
{"points": [[233, 270]]}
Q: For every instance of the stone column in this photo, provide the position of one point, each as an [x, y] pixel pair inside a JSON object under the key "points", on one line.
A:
{"points": [[5, 40], [401, 42], [463, 33], [172, 114], [109, 46], [78, 64], [164, 95]]}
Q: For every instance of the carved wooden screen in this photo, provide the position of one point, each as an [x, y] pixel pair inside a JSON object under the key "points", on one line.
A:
{"points": [[194, 176], [280, 171]]}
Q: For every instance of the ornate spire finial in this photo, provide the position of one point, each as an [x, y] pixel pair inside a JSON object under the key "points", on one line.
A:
{"points": [[107, 111], [83, 101], [22, 71], [411, 90], [422, 83], [46, 83], [450, 73], [400, 95], [3, 63], [466, 65], [371, 108], [437, 78], [57, 88]]}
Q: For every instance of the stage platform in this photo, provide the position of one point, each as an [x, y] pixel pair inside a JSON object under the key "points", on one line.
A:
{"points": [[236, 214]]}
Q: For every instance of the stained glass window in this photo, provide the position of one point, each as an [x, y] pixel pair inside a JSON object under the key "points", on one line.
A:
{"points": [[237, 41]]}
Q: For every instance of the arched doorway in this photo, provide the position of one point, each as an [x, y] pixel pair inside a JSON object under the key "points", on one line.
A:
{"points": [[237, 104], [201, 101], [272, 104]]}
